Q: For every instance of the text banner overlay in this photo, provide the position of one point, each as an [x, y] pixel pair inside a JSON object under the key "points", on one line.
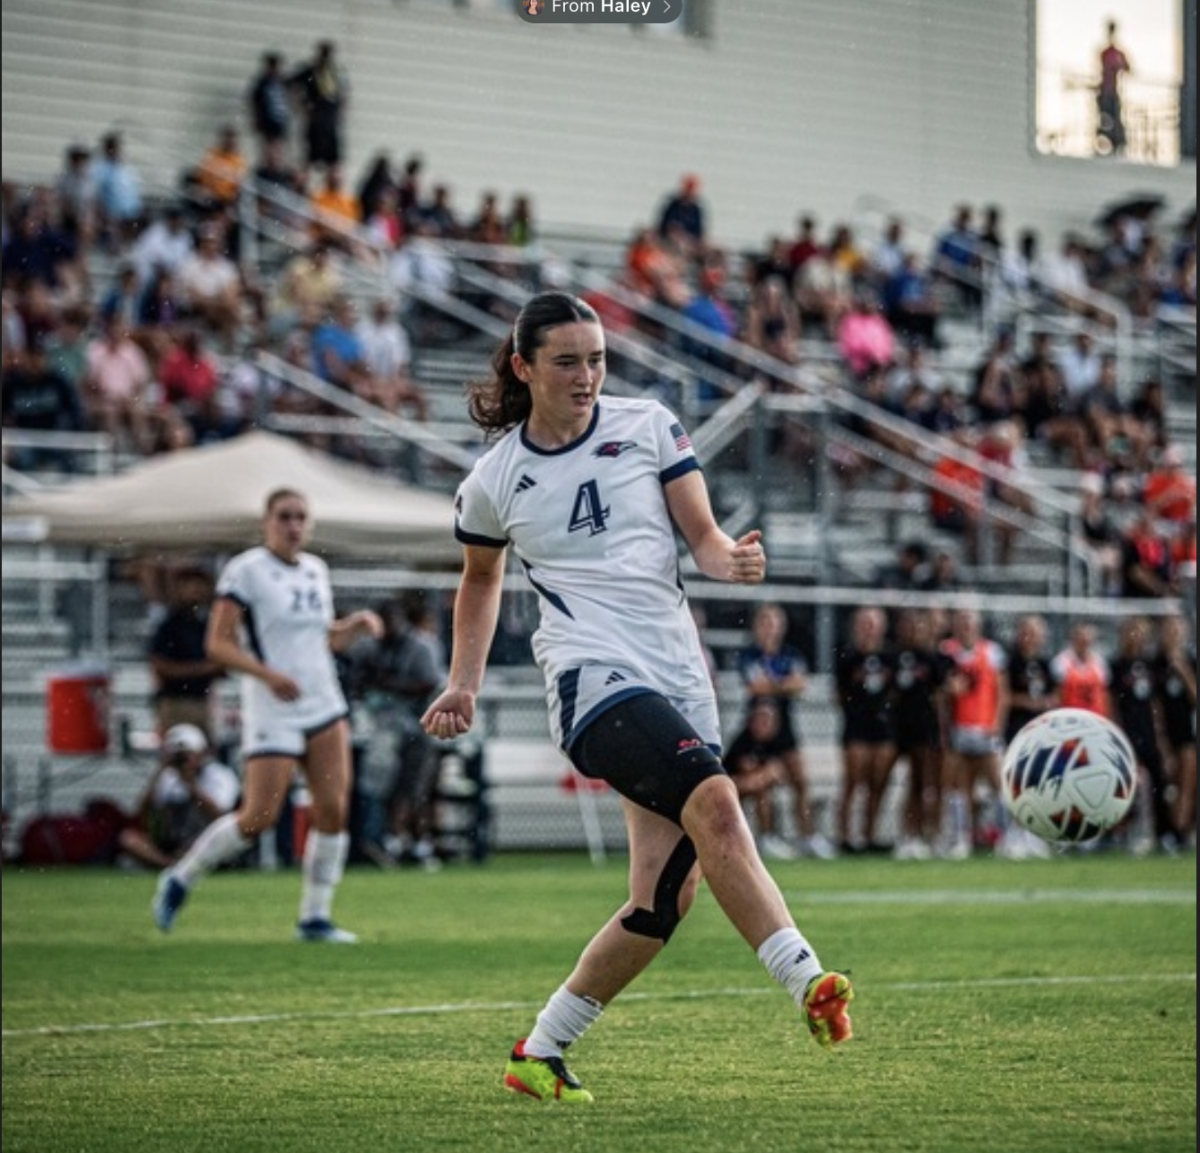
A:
{"points": [[600, 11]]}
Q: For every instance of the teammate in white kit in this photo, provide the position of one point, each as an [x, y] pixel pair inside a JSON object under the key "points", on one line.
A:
{"points": [[588, 494], [273, 622]]}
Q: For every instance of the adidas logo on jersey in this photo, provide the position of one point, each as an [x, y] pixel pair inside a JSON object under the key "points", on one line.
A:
{"points": [[526, 483], [614, 679]]}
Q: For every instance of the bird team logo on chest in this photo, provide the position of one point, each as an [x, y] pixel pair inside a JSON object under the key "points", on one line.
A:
{"points": [[611, 449]]}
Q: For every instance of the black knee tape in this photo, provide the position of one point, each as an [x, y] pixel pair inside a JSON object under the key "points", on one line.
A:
{"points": [[664, 920]]}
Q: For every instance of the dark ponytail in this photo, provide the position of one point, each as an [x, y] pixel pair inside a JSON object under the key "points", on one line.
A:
{"points": [[503, 402]]}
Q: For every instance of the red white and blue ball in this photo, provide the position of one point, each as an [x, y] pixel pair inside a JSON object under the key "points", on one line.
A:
{"points": [[1069, 776]]}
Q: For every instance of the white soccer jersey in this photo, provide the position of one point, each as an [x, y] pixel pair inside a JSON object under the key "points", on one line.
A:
{"points": [[288, 610], [590, 524]]}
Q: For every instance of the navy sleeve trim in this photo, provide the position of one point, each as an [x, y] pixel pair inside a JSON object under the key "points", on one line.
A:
{"points": [[681, 469], [470, 538]]}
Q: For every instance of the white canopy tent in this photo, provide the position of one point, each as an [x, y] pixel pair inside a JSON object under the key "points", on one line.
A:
{"points": [[211, 498]]}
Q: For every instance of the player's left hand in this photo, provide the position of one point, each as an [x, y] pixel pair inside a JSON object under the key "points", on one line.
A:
{"points": [[748, 559]]}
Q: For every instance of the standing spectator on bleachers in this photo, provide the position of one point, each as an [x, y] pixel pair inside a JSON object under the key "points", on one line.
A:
{"points": [[76, 188], [888, 256], [269, 103], [323, 95], [804, 247], [409, 185], [119, 200], [681, 223], [956, 258], [1175, 679], [379, 177], [1133, 694], [977, 691], [1081, 673], [864, 677], [183, 674]]}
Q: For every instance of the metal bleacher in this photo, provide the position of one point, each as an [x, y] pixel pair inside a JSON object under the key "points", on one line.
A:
{"points": [[828, 540]]}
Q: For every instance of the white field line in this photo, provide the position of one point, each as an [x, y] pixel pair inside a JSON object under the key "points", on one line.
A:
{"points": [[996, 897], [485, 1007]]}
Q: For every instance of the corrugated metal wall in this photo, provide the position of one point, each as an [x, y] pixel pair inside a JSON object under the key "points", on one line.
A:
{"points": [[790, 104]]}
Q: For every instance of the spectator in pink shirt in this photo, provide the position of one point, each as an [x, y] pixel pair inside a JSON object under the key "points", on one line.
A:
{"points": [[116, 385], [865, 339]]}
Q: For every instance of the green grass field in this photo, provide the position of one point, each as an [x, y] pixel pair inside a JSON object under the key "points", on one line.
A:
{"points": [[1032, 1007]]}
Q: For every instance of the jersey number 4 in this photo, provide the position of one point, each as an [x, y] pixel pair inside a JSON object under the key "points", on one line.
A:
{"points": [[589, 512]]}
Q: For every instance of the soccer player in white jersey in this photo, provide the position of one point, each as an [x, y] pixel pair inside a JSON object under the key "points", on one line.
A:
{"points": [[588, 494], [273, 622]]}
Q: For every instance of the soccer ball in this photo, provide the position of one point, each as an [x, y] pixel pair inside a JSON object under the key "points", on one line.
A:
{"points": [[1069, 776]]}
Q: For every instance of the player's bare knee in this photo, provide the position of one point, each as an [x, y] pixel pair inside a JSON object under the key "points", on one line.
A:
{"points": [[713, 811]]}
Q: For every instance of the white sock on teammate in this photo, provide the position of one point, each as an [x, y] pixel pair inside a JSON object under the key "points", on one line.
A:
{"points": [[791, 960], [324, 863], [220, 842], [561, 1023]]}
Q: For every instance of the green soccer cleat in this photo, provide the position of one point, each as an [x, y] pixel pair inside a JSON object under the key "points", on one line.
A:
{"points": [[543, 1079], [825, 1003]]}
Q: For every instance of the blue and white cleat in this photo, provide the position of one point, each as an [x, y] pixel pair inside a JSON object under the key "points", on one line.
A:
{"points": [[168, 900], [326, 932]]}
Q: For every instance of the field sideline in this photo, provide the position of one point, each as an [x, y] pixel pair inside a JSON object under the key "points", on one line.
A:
{"points": [[1037, 1007]]}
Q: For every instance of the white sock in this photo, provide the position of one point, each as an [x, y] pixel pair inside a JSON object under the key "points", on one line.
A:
{"points": [[791, 960], [561, 1023], [324, 863], [220, 842]]}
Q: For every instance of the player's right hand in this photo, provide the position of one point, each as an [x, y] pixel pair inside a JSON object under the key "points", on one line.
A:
{"points": [[450, 716]]}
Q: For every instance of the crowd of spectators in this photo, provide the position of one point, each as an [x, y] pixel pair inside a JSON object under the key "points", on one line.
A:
{"points": [[163, 356]]}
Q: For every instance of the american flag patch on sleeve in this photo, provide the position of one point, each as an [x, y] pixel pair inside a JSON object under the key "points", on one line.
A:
{"points": [[682, 441]]}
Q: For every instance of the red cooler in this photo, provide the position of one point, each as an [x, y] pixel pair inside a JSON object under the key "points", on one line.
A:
{"points": [[77, 705]]}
